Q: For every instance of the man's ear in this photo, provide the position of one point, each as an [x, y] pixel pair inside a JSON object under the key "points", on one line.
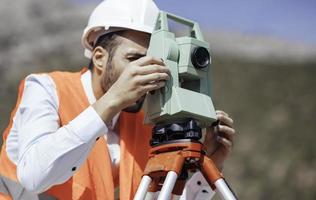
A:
{"points": [[100, 57]]}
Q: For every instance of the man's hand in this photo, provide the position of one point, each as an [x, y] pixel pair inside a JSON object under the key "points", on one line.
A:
{"points": [[138, 77], [219, 139]]}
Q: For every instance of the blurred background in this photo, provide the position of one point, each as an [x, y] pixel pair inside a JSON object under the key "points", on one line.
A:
{"points": [[264, 76]]}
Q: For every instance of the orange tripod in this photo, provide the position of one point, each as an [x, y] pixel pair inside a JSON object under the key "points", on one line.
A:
{"points": [[171, 159]]}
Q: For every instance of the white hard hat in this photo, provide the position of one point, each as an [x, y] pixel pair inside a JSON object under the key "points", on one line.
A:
{"points": [[114, 15]]}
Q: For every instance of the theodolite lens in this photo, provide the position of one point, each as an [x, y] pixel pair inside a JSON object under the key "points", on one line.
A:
{"points": [[200, 57]]}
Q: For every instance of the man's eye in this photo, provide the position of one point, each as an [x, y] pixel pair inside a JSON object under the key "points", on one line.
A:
{"points": [[131, 59]]}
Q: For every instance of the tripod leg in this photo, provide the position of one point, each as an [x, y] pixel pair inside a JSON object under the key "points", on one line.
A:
{"points": [[224, 190], [143, 187], [168, 186], [213, 176]]}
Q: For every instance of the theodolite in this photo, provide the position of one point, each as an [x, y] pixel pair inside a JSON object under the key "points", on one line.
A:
{"points": [[187, 94], [179, 112]]}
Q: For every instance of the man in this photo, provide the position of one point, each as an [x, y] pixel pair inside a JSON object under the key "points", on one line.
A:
{"points": [[68, 137]]}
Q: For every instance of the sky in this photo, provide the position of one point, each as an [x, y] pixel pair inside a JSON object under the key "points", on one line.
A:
{"points": [[293, 20]]}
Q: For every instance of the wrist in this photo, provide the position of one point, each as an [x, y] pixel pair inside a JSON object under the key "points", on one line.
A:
{"points": [[107, 108]]}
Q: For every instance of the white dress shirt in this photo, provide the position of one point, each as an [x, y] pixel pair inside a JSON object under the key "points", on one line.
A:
{"points": [[47, 154]]}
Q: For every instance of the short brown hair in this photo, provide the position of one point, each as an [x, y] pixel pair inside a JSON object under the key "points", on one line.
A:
{"points": [[109, 42]]}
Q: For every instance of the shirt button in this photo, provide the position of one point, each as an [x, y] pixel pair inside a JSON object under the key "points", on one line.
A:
{"points": [[74, 169]]}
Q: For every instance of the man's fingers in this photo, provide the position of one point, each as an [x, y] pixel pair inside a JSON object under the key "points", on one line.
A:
{"points": [[223, 119], [225, 142], [153, 86], [150, 78], [148, 60], [221, 112], [228, 132], [149, 69]]}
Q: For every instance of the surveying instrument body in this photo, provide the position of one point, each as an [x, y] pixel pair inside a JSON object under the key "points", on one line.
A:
{"points": [[179, 111]]}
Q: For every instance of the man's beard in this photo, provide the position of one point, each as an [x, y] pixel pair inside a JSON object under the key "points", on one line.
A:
{"points": [[109, 79]]}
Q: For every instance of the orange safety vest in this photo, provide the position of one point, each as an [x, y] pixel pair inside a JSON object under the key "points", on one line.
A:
{"points": [[93, 180]]}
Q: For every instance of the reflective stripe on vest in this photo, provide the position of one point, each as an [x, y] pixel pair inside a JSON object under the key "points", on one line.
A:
{"points": [[17, 192], [14, 189]]}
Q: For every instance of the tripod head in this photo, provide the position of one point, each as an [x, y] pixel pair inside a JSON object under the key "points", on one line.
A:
{"points": [[187, 95], [171, 133]]}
